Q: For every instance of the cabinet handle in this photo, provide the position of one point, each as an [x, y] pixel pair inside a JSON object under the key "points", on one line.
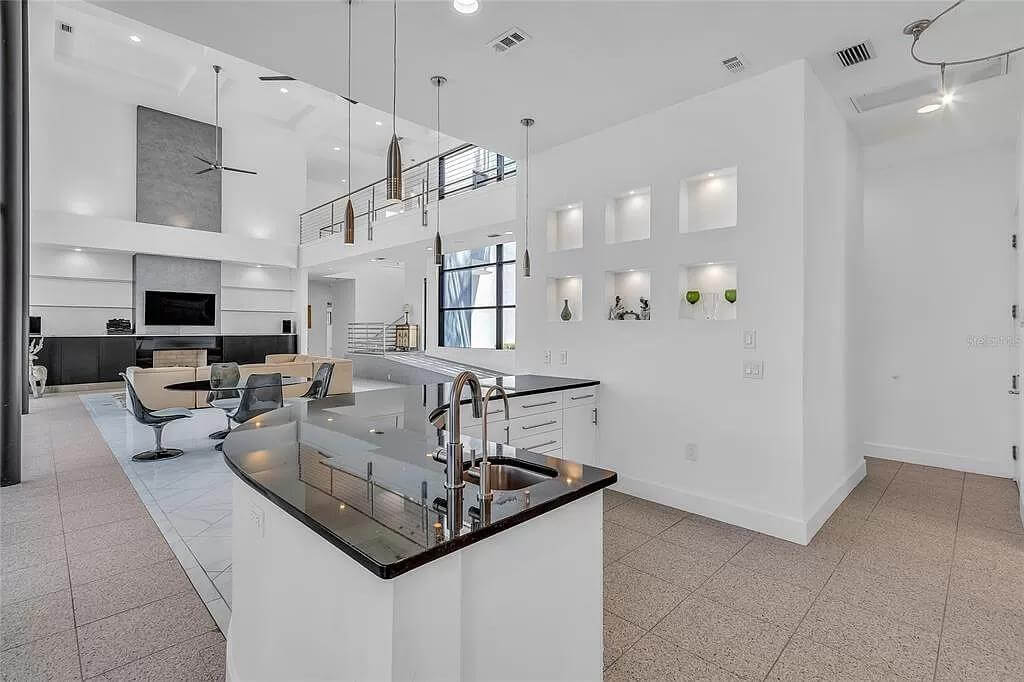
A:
{"points": [[581, 397], [506, 434], [595, 415], [541, 445], [537, 426], [550, 402]]}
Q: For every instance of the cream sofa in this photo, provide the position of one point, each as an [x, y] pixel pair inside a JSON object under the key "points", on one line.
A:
{"points": [[151, 383]]}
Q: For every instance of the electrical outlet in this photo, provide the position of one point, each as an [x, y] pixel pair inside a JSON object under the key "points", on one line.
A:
{"points": [[691, 452], [257, 519], [564, 357], [753, 369], [750, 339], [547, 357]]}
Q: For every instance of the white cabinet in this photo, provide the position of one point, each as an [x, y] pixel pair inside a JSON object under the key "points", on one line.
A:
{"points": [[579, 433]]}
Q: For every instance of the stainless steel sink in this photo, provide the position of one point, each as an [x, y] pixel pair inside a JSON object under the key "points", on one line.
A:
{"points": [[508, 473]]}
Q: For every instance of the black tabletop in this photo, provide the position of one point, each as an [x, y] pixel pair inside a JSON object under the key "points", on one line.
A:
{"points": [[356, 469], [204, 385]]}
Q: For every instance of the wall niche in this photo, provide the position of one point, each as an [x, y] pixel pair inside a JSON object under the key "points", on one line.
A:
{"points": [[628, 216], [708, 201], [707, 291]]}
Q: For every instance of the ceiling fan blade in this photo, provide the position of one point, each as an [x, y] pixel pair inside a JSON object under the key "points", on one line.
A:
{"points": [[277, 78], [205, 170], [238, 170], [206, 161]]}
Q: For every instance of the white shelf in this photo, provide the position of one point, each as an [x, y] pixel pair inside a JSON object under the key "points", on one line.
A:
{"points": [[565, 227], [627, 217], [630, 285], [562, 290], [711, 280], [708, 201]]}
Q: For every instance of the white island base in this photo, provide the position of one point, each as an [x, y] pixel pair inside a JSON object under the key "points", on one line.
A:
{"points": [[524, 604]]}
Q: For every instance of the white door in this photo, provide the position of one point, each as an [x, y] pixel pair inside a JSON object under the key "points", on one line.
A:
{"points": [[329, 329], [579, 433]]}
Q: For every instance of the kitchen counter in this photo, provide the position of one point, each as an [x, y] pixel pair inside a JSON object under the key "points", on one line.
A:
{"points": [[349, 561]]}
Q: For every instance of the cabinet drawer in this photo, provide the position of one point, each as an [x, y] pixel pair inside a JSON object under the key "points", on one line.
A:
{"points": [[580, 396], [524, 406], [524, 427], [542, 442], [496, 431], [495, 411]]}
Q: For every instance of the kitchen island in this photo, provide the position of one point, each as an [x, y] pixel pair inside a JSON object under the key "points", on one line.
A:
{"points": [[352, 560]]}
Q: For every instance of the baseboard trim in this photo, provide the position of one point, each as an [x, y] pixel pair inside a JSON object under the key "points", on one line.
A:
{"points": [[759, 520], [818, 519], [83, 388], [934, 458]]}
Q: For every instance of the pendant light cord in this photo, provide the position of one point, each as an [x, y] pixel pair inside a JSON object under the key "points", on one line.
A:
{"points": [[216, 116], [526, 233], [929, 23], [394, 76], [349, 100], [437, 209]]}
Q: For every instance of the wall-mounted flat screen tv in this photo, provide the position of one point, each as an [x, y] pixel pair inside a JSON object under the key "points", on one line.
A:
{"points": [[181, 309]]}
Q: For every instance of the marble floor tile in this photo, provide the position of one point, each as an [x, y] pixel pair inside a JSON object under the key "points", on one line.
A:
{"points": [[652, 659], [778, 602], [133, 555], [221, 613], [130, 589], [110, 534], [23, 531], [223, 584], [200, 659], [673, 563], [638, 597], [649, 518], [619, 635], [34, 618], [54, 657], [32, 553], [34, 581], [738, 642], [130, 635]]}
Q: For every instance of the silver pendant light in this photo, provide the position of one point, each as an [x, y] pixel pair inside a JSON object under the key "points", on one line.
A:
{"points": [[394, 172], [438, 82], [527, 123], [350, 213]]}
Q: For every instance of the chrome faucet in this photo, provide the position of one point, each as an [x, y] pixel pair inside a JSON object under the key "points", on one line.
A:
{"points": [[485, 466]]}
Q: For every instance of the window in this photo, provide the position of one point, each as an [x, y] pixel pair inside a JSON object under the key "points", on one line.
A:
{"points": [[477, 296]]}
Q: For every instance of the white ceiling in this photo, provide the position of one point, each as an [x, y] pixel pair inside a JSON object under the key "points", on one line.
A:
{"points": [[168, 72], [589, 65]]}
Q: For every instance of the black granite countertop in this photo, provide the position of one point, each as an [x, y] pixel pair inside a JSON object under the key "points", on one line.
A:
{"points": [[357, 469]]}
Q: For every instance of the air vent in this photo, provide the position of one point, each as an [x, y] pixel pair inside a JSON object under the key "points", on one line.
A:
{"points": [[509, 39], [855, 54], [66, 28], [734, 64]]}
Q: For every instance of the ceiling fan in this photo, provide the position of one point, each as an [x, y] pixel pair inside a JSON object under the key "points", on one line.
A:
{"points": [[217, 164]]}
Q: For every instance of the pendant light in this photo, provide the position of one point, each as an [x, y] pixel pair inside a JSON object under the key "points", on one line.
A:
{"points": [[394, 173], [527, 123], [438, 82], [350, 214]]}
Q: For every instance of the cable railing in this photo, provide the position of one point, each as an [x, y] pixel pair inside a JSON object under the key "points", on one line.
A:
{"points": [[381, 338], [463, 168]]}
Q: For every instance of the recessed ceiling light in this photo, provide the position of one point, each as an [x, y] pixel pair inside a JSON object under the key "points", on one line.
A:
{"points": [[258, 265], [929, 108], [466, 6], [337, 149], [78, 249], [430, 248], [343, 180], [632, 192], [135, 39], [284, 91], [509, 232], [378, 123]]}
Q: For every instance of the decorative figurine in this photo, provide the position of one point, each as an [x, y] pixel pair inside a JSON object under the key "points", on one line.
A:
{"points": [[566, 313], [730, 295], [617, 310], [645, 308], [36, 373]]}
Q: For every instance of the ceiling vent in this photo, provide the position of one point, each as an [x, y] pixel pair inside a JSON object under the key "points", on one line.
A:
{"points": [[509, 39], [928, 85], [855, 54], [734, 64]]}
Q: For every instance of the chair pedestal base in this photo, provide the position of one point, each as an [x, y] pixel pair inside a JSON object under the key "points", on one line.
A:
{"points": [[219, 435], [154, 455]]}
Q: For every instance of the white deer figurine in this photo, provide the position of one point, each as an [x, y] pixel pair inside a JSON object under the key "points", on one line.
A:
{"points": [[36, 373]]}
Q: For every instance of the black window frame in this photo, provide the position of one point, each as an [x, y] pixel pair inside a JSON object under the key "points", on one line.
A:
{"points": [[499, 307]]}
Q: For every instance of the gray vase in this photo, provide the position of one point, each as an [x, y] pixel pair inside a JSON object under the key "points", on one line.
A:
{"points": [[566, 313]]}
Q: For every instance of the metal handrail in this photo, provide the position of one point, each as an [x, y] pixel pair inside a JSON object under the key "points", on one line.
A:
{"points": [[461, 168], [376, 338]]}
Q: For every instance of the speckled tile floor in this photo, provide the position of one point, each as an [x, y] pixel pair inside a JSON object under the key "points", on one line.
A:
{"points": [[916, 576]]}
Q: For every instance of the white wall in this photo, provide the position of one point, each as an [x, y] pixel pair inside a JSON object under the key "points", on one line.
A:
{"points": [[938, 272], [669, 382], [83, 195], [1019, 273]]}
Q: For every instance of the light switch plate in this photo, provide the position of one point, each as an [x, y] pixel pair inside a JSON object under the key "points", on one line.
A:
{"points": [[547, 357], [750, 339], [753, 369]]}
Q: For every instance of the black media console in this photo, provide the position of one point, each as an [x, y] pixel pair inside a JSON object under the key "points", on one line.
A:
{"points": [[97, 359]]}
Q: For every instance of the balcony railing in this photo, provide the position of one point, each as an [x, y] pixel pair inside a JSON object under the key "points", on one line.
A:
{"points": [[381, 338], [460, 169]]}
